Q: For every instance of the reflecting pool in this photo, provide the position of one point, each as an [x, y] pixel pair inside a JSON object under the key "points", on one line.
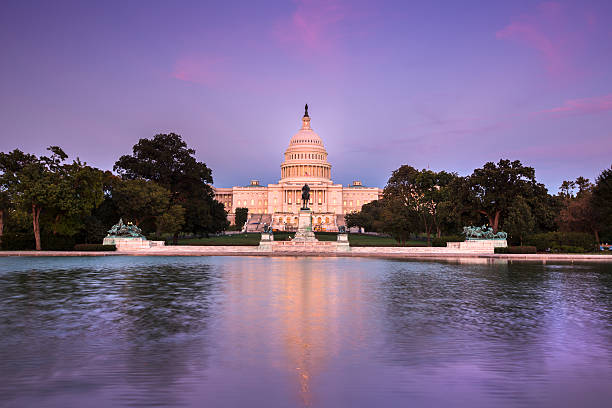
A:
{"points": [[287, 332]]}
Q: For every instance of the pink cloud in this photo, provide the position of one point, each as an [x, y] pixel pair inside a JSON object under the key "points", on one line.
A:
{"points": [[553, 31], [582, 106], [318, 27], [200, 70]]}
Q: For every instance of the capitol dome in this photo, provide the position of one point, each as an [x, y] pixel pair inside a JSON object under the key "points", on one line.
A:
{"points": [[306, 157]]}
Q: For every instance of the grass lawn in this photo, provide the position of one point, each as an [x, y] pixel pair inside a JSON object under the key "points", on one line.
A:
{"points": [[253, 239], [372, 240], [236, 239]]}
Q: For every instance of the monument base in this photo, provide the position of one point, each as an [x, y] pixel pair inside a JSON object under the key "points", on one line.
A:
{"points": [[265, 244], [342, 243], [131, 243], [478, 244], [304, 232]]}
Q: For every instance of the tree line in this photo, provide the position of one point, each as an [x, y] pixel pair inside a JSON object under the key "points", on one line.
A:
{"points": [[504, 195], [46, 201]]}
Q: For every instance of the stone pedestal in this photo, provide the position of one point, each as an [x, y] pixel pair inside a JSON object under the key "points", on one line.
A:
{"points": [[131, 243], [304, 232], [265, 244], [478, 244], [342, 245]]}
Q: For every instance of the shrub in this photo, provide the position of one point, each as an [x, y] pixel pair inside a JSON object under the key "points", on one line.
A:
{"points": [[552, 240], [51, 242], [13, 241], [568, 249], [516, 250], [441, 242], [94, 247]]}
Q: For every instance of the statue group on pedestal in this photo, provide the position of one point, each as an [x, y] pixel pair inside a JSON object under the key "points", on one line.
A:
{"points": [[125, 230], [483, 232]]}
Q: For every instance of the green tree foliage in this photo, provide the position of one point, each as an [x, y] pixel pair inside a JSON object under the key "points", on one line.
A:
{"points": [[602, 202], [140, 200], [205, 215], [545, 208], [577, 213], [5, 206], [168, 161], [401, 212], [170, 221], [492, 189], [426, 194], [567, 189], [519, 222], [399, 220], [242, 213], [370, 217], [62, 193]]}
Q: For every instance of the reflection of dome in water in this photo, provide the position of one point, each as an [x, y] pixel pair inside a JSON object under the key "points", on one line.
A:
{"points": [[306, 157]]}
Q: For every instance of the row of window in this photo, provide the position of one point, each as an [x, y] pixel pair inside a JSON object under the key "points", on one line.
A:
{"points": [[289, 220], [306, 156], [246, 203], [306, 141], [350, 202]]}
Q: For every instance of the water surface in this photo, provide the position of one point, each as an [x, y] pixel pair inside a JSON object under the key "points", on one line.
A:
{"points": [[286, 332]]}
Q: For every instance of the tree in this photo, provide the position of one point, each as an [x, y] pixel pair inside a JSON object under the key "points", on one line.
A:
{"points": [[519, 222], [370, 217], [171, 221], [64, 193], [567, 189], [242, 213], [422, 192], [400, 213], [493, 188], [168, 161], [204, 215], [81, 192], [11, 164], [399, 220], [578, 215], [602, 201], [5, 205], [545, 208], [140, 200]]}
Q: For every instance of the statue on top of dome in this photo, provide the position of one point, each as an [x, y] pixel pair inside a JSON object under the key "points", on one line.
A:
{"points": [[306, 111]]}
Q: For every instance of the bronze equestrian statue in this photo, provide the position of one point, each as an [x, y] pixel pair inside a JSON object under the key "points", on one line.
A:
{"points": [[305, 197]]}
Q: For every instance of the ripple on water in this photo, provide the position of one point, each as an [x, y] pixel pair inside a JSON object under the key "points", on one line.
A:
{"points": [[229, 331]]}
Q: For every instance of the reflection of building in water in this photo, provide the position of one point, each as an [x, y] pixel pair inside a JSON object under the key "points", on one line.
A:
{"points": [[294, 307], [305, 161]]}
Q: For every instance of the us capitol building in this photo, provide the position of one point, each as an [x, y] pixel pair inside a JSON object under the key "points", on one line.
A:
{"points": [[278, 204]]}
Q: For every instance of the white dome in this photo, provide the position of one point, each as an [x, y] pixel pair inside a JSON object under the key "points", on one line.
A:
{"points": [[306, 157], [306, 137]]}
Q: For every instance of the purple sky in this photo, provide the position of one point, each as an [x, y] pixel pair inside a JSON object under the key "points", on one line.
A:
{"points": [[441, 84]]}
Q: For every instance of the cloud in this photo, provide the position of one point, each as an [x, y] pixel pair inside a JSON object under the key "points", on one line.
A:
{"points": [[554, 32], [582, 106], [312, 26], [200, 70], [319, 30]]}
